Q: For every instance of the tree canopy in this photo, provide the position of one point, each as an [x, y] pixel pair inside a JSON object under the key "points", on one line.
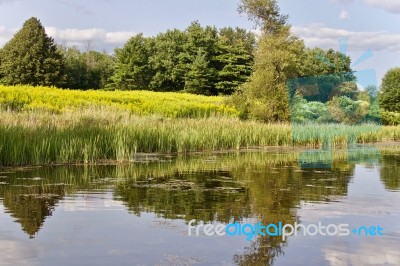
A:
{"points": [[201, 60], [281, 59], [390, 90], [31, 57]]}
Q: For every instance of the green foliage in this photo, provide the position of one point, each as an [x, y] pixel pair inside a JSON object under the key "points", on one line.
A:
{"points": [[348, 105], [199, 78], [372, 91], [235, 59], [321, 74], [345, 110], [199, 60], [307, 112], [132, 70], [390, 91], [199, 57], [166, 62], [281, 65], [390, 118], [87, 70], [277, 59], [31, 57], [265, 14]]}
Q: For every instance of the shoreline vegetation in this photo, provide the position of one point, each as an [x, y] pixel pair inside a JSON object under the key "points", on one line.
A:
{"points": [[41, 125]]}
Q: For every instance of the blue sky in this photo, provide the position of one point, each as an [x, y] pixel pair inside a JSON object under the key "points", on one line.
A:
{"points": [[366, 24]]}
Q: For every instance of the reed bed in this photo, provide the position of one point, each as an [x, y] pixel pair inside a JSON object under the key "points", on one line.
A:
{"points": [[104, 127], [89, 135]]}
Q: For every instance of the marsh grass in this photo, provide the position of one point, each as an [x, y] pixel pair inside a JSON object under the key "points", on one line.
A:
{"points": [[88, 136], [92, 134], [48, 125]]}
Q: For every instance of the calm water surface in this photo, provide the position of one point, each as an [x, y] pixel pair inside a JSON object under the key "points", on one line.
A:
{"points": [[137, 214]]}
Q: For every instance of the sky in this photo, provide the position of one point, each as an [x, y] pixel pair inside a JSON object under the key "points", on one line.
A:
{"points": [[365, 25]]}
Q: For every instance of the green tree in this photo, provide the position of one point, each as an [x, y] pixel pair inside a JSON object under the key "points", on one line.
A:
{"points": [[132, 69], [390, 91], [169, 72], [75, 70], [31, 57], [87, 70], [199, 78], [265, 14], [322, 71], [235, 59], [199, 59], [277, 59], [348, 111], [221, 60]]}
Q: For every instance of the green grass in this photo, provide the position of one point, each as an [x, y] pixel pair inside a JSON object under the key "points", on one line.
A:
{"points": [[90, 135], [92, 126], [34, 138]]}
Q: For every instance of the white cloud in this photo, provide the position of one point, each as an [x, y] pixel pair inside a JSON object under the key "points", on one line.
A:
{"points": [[392, 6], [344, 15], [319, 35], [76, 35], [100, 38], [118, 37], [5, 35], [377, 252], [17, 252]]}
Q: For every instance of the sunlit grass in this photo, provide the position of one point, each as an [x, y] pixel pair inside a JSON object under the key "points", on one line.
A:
{"points": [[104, 127], [167, 104]]}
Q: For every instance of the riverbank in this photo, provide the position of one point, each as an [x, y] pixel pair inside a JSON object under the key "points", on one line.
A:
{"points": [[90, 135], [51, 126]]}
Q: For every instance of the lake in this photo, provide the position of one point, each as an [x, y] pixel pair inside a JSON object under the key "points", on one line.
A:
{"points": [[139, 213]]}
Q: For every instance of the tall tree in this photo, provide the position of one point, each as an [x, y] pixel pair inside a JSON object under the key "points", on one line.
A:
{"points": [[199, 57], [265, 14], [277, 59], [169, 72], [390, 90], [172, 61], [132, 69], [235, 59], [199, 78], [31, 57]]}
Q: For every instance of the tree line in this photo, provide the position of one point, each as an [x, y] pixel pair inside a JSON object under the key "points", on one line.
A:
{"points": [[267, 75], [201, 60]]}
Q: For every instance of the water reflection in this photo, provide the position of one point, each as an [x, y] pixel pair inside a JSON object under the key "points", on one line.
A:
{"points": [[261, 186], [390, 171]]}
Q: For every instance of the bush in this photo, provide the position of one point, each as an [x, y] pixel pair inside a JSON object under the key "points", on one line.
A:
{"points": [[390, 118]]}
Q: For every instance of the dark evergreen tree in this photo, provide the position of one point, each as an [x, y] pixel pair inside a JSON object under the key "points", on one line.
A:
{"points": [[169, 72], [132, 69], [234, 59], [31, 57], [199, 60]]}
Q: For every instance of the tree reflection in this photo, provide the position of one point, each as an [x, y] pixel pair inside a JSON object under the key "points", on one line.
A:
{"points": [[390, 170], [266, 186]]}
